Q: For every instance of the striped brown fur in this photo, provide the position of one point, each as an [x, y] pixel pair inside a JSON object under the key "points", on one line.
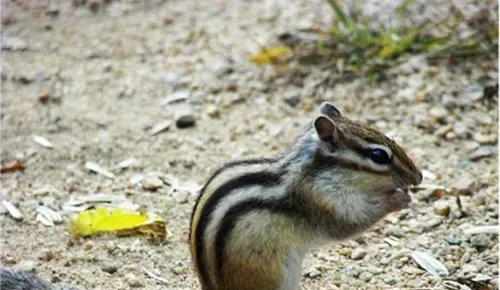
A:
{"points": [[253, 217]]}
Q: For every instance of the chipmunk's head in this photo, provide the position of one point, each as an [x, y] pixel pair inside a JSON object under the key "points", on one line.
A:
{"points": [[359, 171]]}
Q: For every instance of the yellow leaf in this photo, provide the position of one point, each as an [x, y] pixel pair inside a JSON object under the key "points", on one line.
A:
{"points": [[100, 220], [270, 55]]}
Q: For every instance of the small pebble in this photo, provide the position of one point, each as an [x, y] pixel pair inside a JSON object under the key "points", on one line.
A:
{"points": [[344, 251], [471, 94], [222, 66], [213, 111], [89, 245], [109, 268], [479, 199], [480, 153], [415, 226], [481, 138], [460, 130], [358, 254], [366, 276], [484, 119], [467, 269], [292, 98], [465, 186], [438, 113], [441, 207], [181, 196], [395, 231], [470, 146], [491, 259], [443, 131], [134, 281], [13, 43], [111, 247], [449, 102], [314, 273], [479, 241], [389, 280], [451, 240], [52, 11], [151, 183], [480, 265], [93, 5], [432, 223], [185, 121], [177, 270]]}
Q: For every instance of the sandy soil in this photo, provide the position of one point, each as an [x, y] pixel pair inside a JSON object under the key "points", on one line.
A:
{"points": [[107, 73]]}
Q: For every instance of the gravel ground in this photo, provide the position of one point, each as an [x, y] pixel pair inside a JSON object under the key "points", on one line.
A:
{"points": [[95, 84]]}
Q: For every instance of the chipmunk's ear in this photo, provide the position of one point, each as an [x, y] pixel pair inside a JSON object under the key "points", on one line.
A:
{"points": [[325, 128], [328, 109]]}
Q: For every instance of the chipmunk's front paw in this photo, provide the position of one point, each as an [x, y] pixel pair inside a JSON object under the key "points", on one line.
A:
{"points": [[400, 200]]}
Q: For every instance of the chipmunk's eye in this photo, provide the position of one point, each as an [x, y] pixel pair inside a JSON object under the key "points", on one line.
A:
{"points": [[379, 156]]}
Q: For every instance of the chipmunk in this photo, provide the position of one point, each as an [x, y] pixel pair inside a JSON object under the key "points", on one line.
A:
{"points": [[18, 280], [255, 220]]}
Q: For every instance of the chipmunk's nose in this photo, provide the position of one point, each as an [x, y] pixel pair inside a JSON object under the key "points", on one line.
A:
{"points": [[418, 177]]}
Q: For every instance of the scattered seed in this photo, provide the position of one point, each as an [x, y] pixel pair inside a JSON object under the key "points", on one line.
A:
{"points": [[44, 221], [42, 141], [128, 163], [392, 241], [160, 127], [92, 166], [426, 174], [74, 208], [481, 278], [176, 97], [45, 190], [47, 216], [99, 200], [454, 285], [14, 212], [136, 179], [152, 275], [481, 230], [430, 264]]}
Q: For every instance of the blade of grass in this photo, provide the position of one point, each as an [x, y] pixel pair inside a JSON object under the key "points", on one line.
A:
{"points": [[341, 16]]}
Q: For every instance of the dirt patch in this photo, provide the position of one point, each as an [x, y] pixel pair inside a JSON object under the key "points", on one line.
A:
{"points": [[95, 84]]}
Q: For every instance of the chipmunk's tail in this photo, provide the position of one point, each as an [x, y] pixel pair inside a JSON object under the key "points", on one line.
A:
{"points": [[18, 280]]}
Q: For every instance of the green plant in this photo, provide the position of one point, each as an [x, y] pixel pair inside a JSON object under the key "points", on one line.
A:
{"points": [[368, 51]]}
